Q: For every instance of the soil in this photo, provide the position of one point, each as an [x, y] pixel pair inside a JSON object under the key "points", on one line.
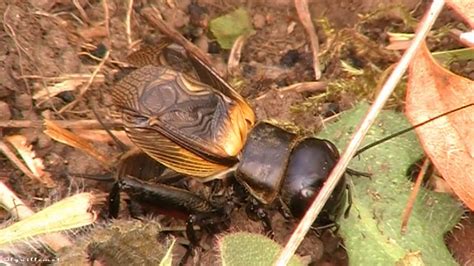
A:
{"points": [[43, 40]]}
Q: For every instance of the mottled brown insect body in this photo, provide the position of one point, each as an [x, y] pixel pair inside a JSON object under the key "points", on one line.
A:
{"points": [[185, 124]]}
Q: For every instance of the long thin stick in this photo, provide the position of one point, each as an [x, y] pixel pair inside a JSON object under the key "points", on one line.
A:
{"points": [[153, 17], [15, 160], [89, 83], [71, 124], [305, 18], [128, 21], [305, 224]]}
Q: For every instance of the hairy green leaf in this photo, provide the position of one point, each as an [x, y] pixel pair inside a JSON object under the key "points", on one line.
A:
{"points": [[250, 249], [372, 232]]}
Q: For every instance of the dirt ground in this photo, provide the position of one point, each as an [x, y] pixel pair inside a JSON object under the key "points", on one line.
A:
{"points": [[49, 44]]}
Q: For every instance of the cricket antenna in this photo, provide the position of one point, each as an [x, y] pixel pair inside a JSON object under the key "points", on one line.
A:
{"points": [[403, 131], [119, 143]]}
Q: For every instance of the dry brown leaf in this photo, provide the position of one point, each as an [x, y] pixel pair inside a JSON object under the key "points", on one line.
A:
{"points": [[69, 138], [432, 90], [34, 164], [100, 135], [465, 8]]}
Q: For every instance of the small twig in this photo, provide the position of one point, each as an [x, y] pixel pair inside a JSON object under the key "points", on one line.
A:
{"points": [[34, 164], [85, 77], [413, 194], [235, 55], [107, 21], [465, 38], [81, 10], [89, 82], [15, 160], [70, 124], [128, 20], [117, 141], [13, 204], [340, 168], [305, 18], [314, 86], [152, 15]]}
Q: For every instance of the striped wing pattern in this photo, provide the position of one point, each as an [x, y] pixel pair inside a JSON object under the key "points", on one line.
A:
{"points": [[182, 123]]}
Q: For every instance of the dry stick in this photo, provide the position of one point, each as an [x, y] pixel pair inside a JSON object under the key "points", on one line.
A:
{"points": [[63, 77], [463, 37], [311, 86], [15, 160], [87, 86], [305, 18], [106, 21], [235, 55], [81, 10], [70, 124], [340, 168], [152, 15], [35, 164], [467, 38], [413, 194], [128, 20]]}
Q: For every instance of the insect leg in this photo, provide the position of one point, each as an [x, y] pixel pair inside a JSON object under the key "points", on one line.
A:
{"points": [[257, 212], [114, 201]]}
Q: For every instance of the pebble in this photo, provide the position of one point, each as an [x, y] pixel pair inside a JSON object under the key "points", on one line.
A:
{"points": [[259, 21], [31, 134], [175, 17], [203, 43], [43, 141], [5, 113], [47, 114], [470, 66], [23, 102], [214, 47], [290, 58], [183, 4], [4, 91], [199, 16]]}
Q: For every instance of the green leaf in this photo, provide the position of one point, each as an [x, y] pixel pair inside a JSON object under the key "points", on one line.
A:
{"points": [[250, 249], [229, 27], [372, 231]]}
